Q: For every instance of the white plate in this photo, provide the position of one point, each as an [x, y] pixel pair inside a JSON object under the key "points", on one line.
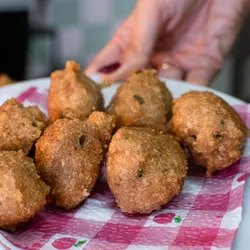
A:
{"points": [[177, 88], [242, 240]]}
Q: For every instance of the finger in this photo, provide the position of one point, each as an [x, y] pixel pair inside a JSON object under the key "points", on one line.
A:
{"points": [[110, 68], [135, 63], [148, 21], [201, 76], [108, 56], [167, 65], [111, 53], [171, 72], [146, 27]]}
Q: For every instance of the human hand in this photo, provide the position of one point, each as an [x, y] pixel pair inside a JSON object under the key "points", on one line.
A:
{"points": [[184, 39]]}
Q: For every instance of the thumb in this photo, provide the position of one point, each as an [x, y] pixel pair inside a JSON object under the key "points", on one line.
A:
{"points": [[146, 27]]}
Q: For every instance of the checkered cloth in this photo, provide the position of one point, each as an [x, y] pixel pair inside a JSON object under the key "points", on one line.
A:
{"points": [[206, 215]]}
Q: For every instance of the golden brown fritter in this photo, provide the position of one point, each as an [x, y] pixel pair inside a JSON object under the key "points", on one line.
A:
{"points": [[69, 156], [210, 128], [20, 126], [5, 80], [142, 101], [22, 193], [145, 169], [72, 94]]}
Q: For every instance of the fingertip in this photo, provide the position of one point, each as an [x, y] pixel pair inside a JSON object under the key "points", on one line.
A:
{"points": [[130, 63], [200, 77], [118, 75], [114, 77], [172, 72], [109, 68], [89, 71], [106, 69]]}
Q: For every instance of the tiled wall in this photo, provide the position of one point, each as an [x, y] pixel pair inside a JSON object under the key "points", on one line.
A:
{"points": [[82, 28]]}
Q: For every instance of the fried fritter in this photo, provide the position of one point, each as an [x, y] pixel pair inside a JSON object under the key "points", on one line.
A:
{"points": [[72, 94], [5, 80], [20, 126], [210, 128], [142, 101], [69, 156], [22, 193], [145, 169]]}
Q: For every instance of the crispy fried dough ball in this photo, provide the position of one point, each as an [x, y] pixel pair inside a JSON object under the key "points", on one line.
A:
{"points": [[72, 94], [22, 193], [145, 169], [142, 101], [210, 128], [20, 126], [69, 156], [5, 80]]}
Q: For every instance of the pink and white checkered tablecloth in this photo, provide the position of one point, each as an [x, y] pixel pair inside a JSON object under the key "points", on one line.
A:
{"points": [[206, 215]]}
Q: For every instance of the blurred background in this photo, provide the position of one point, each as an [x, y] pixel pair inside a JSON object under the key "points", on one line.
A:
{"points": [[39, 36]]}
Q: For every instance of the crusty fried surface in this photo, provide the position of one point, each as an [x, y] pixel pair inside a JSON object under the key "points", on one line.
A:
{"points": [[22, 193], [69, 156], [72, 94], [19, 126], [5, 80], [142, 101], [145, 169], [210, 128]]}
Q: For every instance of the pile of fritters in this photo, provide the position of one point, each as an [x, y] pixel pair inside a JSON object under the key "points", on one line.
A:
{"points": [[145, 167], [22, 192], [69, 150], [146, 163]]}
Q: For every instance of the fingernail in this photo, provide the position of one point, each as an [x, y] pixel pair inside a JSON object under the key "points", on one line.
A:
{"points": [[110, 68], [171, 73]]}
